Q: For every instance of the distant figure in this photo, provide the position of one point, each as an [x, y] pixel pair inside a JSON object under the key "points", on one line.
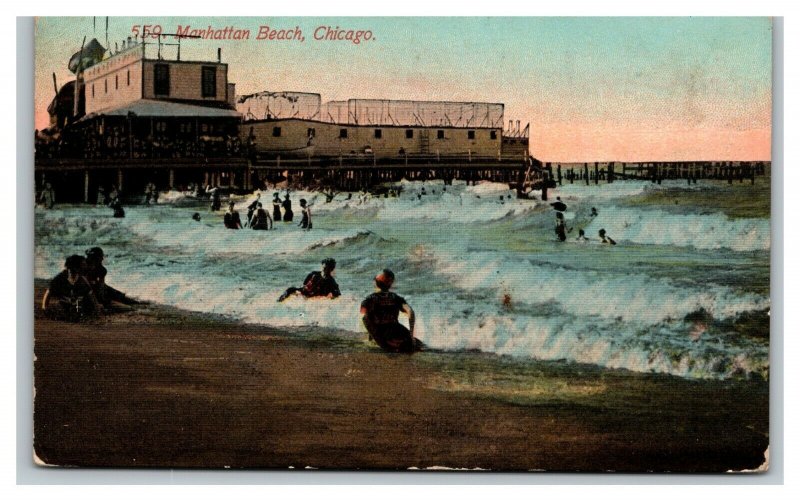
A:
{"points": [[305, 223], [593, 213], [561, 227], [102, 199], [95, 274], [379, 314], [288, 215], [216, 203], [581, 237], [606, 239], [112, 195], [260, 219], [149, 193], [116, 205], [48, 196], [317, 283], [252, 207], [231, 219], [75, 299], [558, 205], [196, 216], [276, 207]]}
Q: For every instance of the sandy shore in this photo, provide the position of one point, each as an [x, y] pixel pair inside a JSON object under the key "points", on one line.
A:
{"points": [[159, 387]]}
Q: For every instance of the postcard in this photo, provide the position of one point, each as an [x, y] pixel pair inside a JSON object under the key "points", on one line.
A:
{"points": [[374, 243]]}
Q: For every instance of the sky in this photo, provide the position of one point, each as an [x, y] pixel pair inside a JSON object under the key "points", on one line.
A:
{"points": [[592, 89]]}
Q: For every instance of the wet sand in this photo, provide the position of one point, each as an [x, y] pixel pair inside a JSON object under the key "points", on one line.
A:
{"points": [[159, 387]]}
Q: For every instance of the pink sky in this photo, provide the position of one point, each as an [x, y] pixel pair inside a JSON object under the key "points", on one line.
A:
{"points": [[592, 89]]}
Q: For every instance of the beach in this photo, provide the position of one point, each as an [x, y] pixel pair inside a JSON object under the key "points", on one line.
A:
{"points": [[161, 387]]}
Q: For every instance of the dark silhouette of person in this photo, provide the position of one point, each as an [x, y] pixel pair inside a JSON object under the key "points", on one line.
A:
{"points": [[379, 314], [288, 215], [606, 239], [95, 274], [231, 219], [72, 293], [276, 207], [260, 219], [317, 283]]}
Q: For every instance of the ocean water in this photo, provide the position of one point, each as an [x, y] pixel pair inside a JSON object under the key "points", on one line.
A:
{"points": [[482, 270]]}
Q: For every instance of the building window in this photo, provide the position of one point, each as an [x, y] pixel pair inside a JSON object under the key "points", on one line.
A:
{"points": [[378, 133], [161, 80], [105, 84], [129, 78], [311, 132], [116, 82], [493, 134], [470, 134], [276, 132], [409, 133], [209, 81], [439, 134], [342, 133]]}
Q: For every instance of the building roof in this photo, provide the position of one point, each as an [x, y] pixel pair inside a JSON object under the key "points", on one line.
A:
{"points": [[155, 108]]}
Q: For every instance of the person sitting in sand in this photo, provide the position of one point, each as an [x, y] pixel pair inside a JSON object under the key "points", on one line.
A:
{"points": [[260, 219], [379, 314], [73, 295], [593, 213], [95, 273], [317, 283], [196, 216], [581, 237], [606, 239], [232, 220]]}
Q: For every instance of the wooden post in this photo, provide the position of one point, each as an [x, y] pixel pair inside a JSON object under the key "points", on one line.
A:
{"points": [[119, 180], [171, 179], [559, 174], [586, 172], [610, 173], [596, 173], [86, 186]]}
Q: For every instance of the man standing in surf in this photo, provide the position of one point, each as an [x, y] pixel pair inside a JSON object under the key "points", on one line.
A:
{"points": [[379, 313]]}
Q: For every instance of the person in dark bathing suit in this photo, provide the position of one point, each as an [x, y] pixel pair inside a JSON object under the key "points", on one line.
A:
{"points": [[252, 208], [288, 215], [317, 283], [73, 297], [379, 314], [604, 239], [305, 223], [232, 220], [260, 219], [561, 227], [276, 207], [95, 274]]}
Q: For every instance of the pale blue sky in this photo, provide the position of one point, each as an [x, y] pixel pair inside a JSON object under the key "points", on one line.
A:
{"points": [[647, 74]]}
